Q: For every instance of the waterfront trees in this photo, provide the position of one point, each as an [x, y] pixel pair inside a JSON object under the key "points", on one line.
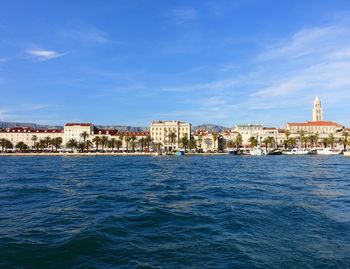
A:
{"points": [[72, 144], [56, 142], [97, 141], [141, 142], [253, 141], [104, 142], [111, 143], [192, 144], [331, 140], [172, 136], [184, 141], [230, 143], [118, 144], [84, 135], [34, 139], [127, 141], [5, 144], [345, 140], [21, 146], [200, 139], [239, 140]]}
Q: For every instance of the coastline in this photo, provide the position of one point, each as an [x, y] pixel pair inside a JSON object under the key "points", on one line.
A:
{"points": [[17, 154]]}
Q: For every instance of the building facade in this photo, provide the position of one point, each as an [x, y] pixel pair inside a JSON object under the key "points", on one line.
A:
{"points": [[169, 133]]}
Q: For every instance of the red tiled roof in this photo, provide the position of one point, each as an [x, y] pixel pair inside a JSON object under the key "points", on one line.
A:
{"points": [[78, 124], [30, 130], [315, 123]]}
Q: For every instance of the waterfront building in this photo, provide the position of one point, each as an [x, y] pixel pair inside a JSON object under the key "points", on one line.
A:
{"points": [[317, 125], [169, 133], [26, 134], [249, 130], [74, 131]]}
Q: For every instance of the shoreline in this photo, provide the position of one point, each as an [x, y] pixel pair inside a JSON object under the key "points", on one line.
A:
{"points": [[101, 154]]}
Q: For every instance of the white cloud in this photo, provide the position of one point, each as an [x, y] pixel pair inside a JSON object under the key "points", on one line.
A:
{"points": [[45, 55]]}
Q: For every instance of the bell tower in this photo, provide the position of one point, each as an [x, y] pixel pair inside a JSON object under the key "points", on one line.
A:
{"points": [[317, 113]]}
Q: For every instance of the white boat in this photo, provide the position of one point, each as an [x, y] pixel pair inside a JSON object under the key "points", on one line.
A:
{"points": [[297, 151], [257, 152], [180, 152], [328, 151]]}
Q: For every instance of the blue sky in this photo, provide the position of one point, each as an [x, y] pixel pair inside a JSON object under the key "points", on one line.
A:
{"points": [[131, 62]]}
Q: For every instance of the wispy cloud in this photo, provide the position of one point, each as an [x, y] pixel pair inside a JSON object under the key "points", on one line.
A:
{"points": [[44, 55], [182, 15], [89, 35]]}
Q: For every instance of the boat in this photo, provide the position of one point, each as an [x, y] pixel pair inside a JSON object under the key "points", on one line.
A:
{"points": [[329, 151], [297, 151], [347, 153], [231, 151], [275, 152], [180, 152], [257, 152]]}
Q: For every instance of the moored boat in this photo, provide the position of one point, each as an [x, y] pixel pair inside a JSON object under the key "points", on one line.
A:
{"points": [[297, 151], [329, 151], [180, 152], [275, 152], [231, 151], [257, 152]]}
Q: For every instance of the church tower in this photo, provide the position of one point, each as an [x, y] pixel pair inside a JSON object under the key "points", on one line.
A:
{"points": [[317, 113]]}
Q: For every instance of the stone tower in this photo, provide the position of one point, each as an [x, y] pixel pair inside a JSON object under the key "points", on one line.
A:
{"points": [[317, 113]]}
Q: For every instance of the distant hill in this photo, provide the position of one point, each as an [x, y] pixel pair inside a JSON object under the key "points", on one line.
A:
{"points": [[5, 124], [123, 128], [210, 127]]}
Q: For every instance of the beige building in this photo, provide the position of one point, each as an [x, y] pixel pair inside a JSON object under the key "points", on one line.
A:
{"points": [[26, 134], [74, 131], [169, 133], [250, 130]]}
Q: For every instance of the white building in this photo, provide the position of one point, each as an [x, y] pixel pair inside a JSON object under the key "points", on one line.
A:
{"points": [[169, 133], [74, 131]]}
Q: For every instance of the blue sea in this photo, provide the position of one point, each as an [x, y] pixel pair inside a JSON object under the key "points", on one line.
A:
{"points": [[175, 212]]}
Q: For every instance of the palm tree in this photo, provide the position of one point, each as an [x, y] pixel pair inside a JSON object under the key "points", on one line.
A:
{"points": [[84, 135], [158, 146], [3, 143], [112, 142], [72, 143], [81, 146], [193, 144], [313, 138], [104, 142], [301, 137], [34, 139], [230, 143], [215, 138], [184, 141], [172, 137], [56, 142], [148, 141], [304, 140], [331, 140], [118, 144], [269, 141], [41, 144], [88, 144], [127, 141], [97, 141], [200, 139], [141, 142], [47, 141], [21, 146], [325, 142], [287, 134], [345, 139], [239, 140], [253, 141]]}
